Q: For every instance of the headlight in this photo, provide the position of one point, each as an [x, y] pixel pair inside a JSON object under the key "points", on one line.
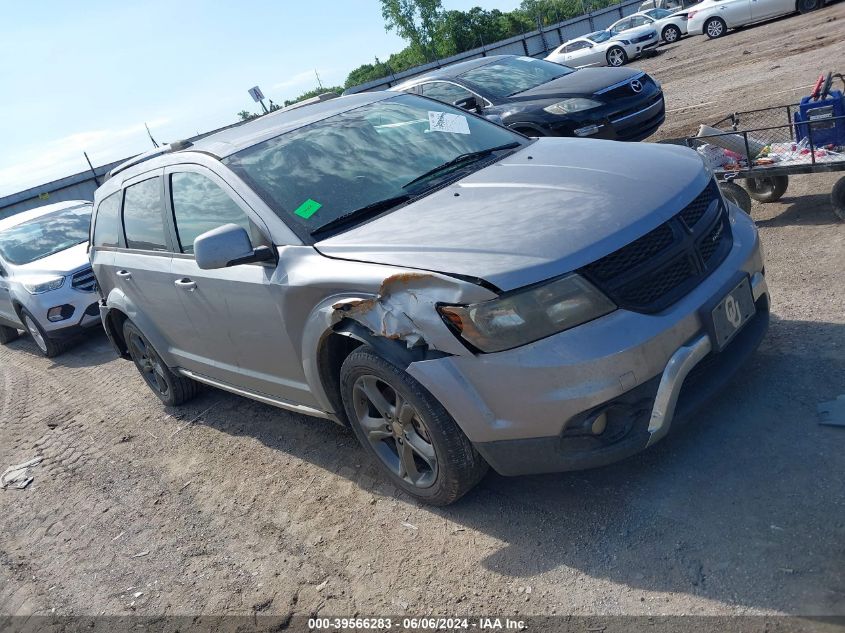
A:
{"points": [[572, 105], [528, 315], [37, 287], [625, 42]]}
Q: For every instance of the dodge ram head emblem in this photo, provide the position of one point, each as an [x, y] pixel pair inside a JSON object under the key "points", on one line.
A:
{"points": [[636, 85]]}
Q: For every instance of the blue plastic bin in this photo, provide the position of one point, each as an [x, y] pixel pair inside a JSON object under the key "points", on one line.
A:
{"points": [[818, 114]]}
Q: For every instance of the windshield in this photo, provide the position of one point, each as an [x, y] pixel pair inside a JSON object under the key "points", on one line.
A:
{"points": [[324, 171], [601, 36], [659, 13], [513, 75], [45, 236]]}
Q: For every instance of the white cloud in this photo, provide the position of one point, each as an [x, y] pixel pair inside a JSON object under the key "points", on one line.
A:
{"points": [[305, 78], [63, 157]]}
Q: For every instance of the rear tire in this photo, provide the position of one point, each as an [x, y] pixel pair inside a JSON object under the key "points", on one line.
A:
{"points": [[407, 431], [8, 334], [805, 6], [715, 27], [671, 34], [736, 194], [616, 56], [767, 189], [171, 388], [837, 198], [49, 347]]}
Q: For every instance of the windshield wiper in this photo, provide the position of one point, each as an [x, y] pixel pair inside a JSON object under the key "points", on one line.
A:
{"points": [[359, 214], [460, 158]]}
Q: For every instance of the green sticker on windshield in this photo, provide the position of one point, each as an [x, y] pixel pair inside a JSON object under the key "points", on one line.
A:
{"points": [[308, 208]]}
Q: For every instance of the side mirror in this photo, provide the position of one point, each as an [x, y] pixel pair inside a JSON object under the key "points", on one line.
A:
{"points": [[471, 103], [225, 246]]}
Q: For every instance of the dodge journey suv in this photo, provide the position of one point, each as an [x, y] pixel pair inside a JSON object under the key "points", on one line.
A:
{"points": [[458, 294]]}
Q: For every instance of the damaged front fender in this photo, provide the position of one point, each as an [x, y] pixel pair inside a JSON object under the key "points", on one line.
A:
{"points": [[405, 309]]}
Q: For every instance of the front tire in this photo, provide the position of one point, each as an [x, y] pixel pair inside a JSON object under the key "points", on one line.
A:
{"points": [[715, 27], [805, 6], [409, 433], [837, 198], [767, 189], [616, 56], [671, 34], [736, 194], [48, 347], [171, 388]]}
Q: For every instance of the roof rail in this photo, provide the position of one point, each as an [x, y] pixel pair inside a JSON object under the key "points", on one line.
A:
{"points": [[175, 146], [323, 96]]}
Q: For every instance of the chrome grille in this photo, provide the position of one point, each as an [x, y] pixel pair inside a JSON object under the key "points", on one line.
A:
{"points": [[84, 280], [656, 270]]}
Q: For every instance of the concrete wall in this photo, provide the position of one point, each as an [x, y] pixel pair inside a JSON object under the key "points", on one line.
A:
{"points": [[79, 186]]}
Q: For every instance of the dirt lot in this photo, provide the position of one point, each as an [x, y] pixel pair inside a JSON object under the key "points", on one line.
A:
{"points": [[229, 506]]}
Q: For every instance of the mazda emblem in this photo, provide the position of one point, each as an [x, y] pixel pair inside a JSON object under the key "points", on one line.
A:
{"points": [[636, 86]]}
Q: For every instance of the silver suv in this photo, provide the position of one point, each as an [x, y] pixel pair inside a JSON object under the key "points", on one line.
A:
{"points": [[47, 286], [457, 293]]}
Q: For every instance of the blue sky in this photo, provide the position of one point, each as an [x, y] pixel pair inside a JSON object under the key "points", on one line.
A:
{"points": [[85, 76]]}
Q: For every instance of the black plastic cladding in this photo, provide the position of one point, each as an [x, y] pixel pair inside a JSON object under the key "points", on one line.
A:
{"points": [[658, 269]]}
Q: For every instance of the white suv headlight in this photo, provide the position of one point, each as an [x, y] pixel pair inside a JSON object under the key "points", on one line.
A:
{"points": [[527, 315], [575, 104], [40, 286]]}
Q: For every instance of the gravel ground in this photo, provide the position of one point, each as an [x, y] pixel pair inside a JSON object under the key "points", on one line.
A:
{"points": [[231, 507]]}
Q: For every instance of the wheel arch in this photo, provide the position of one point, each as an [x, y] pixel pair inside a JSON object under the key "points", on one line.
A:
{"points": [[526, 128], [113, 324]]}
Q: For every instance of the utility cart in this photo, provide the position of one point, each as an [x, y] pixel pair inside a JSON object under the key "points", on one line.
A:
{"points": [[762, 148]]}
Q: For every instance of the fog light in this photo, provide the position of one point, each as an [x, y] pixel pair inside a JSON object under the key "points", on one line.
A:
{"points": [[587, 131], [599, 424], [60, 313]]}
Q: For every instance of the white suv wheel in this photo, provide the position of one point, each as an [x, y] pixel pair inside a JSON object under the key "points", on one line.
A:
{"points": [[35, 333]]}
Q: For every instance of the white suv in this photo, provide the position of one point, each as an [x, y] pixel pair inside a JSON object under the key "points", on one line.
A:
{"points": [[47, 286]]}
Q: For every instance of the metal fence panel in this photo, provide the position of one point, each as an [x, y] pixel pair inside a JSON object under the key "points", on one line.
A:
{"points": [[535, 43]]}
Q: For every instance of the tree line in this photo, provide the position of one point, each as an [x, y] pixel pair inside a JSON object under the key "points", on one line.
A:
{"points": [[432, 32]]}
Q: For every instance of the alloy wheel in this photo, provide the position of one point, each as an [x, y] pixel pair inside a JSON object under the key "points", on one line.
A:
{"points": [[715, 28], [671, 35], [395, 430], [615, 57], [35, 333], [149, 364]]}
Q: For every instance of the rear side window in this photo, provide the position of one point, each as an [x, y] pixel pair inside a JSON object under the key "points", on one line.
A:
{"points": [[142, 219], [447, 93], [199, 205], [106, 227]]}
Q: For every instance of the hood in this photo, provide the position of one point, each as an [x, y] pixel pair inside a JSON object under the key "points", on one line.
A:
{"points": [[633, 32], [550, 208], [64, 262], [583, 82]]}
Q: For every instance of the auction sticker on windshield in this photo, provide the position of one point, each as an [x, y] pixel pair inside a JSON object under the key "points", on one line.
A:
{"points": [[445, 122], [308, 208]]}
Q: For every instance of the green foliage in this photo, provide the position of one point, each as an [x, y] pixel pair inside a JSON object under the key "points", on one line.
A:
{"points": [[313, 93], [434, 33], [415, 21]]}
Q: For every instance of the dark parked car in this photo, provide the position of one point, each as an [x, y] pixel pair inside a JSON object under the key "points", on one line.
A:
{"points": [[540, 98]]}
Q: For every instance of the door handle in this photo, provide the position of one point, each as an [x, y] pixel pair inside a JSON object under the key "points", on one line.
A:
{"points": [[186, 284], [124, 273]]}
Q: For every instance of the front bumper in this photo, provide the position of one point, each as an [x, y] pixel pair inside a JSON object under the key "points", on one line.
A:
{"points": [[634, 123], [83, 311], [530, 410]]}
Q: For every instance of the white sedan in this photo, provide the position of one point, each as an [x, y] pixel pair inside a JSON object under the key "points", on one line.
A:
{"points": [[715, 17], [670, 25], [603, 48]]}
